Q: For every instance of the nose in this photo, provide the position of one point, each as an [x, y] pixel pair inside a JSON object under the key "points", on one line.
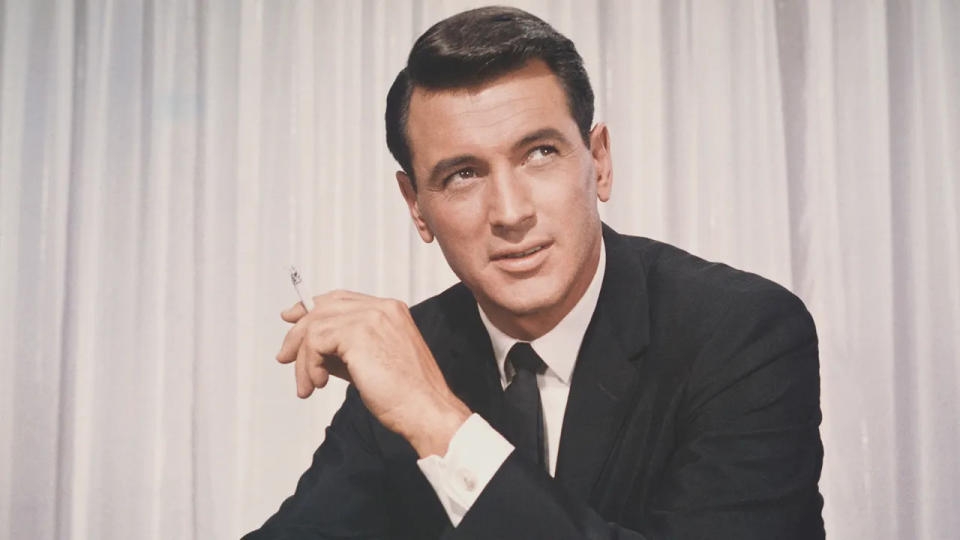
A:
{"points": [[510, 205]]}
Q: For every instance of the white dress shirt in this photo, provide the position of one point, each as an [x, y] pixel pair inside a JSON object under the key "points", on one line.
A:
{"points": [[476, 450]]}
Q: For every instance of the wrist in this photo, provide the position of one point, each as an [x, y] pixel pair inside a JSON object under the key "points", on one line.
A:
{"points": [[437, 424]]}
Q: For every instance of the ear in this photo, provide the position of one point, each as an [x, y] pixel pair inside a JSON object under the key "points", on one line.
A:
{"points": [[410, 195], [600, 151]]}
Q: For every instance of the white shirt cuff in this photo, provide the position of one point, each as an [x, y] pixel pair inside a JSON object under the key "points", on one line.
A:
{"points": [[474, 455]]}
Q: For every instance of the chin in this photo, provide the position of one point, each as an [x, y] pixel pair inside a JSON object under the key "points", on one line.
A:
{"points": [[523, 300]]}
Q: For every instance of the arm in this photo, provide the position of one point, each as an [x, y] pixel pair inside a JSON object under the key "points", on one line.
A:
{"points": [[341, 494], [748, 452]]}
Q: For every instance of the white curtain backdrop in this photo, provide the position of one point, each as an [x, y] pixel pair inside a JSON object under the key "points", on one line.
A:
{"points": [[163, 161]]}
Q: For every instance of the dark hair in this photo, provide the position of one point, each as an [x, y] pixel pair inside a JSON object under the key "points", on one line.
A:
{"points": [[473, 47]]}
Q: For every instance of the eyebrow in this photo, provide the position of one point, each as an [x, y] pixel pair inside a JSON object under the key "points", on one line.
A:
{"points": [[540, 134], [448, 163], [456, 161]]}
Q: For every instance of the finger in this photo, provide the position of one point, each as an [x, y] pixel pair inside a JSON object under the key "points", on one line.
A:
{"points": [[322, 344], [304, 385], [328, 309], [341, 303], [318, 375], [315, 367], [291, 342], [293, 313], [296, 335], [343, 295]]}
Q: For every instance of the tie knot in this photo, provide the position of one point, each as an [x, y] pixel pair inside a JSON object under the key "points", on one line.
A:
{"points": [[523, 358]]}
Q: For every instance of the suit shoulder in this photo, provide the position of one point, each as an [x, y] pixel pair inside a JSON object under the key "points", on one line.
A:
{"points": [[727, 329], [684, 287], [434, 313]]}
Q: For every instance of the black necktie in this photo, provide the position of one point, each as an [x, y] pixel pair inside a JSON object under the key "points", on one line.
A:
{"points": [[523, 420]]}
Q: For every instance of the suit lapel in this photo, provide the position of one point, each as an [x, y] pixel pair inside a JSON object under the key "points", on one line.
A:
{"points": [[470, 369], [606, 375]]}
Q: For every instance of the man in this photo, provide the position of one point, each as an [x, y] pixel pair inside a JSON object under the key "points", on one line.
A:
{"points": [[577, 383]]}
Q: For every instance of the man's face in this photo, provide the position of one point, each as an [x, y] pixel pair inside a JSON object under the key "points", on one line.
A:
{"points": [[509, 190]]}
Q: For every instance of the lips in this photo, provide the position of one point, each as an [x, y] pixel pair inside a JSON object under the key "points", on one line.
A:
{"points": [[524, 261], [519, 253]]}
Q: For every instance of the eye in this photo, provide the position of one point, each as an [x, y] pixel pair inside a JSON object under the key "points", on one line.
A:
{"points": [[462, 174], [540, 154]]}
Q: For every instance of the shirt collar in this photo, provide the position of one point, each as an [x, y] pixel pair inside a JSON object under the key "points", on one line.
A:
{"points": [[559, 347]]}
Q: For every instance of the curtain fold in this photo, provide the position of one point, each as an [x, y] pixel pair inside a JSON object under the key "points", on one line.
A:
{"points": [[162, 162]]}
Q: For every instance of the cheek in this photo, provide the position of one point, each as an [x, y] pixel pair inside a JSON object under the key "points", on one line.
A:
{"points": [[459, 227], [455, 218], [577, 196]]}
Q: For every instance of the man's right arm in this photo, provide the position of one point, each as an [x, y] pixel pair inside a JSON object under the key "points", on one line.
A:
{"points": [[341, 494]]}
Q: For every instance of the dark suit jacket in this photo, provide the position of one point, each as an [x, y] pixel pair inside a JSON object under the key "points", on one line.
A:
{"points": [[693, 413]]}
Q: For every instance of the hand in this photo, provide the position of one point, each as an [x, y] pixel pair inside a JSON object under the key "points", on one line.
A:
{"points": [[374, 343]]}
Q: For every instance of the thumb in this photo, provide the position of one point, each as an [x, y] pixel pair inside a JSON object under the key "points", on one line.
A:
{"points": [[293, 313]]}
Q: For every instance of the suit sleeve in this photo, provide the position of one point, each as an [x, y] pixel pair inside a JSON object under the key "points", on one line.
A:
{"points": [[341, 494], [747, 458]]}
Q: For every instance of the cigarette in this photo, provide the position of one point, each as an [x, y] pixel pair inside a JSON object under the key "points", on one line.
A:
{"points": [[297, 280]]}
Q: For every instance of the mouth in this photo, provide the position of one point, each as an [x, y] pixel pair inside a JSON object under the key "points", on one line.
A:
{"points": [[522, 261], [519, 254]]}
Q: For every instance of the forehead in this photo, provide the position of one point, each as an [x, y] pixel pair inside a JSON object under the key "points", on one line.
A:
{"points": [[488, 118]]}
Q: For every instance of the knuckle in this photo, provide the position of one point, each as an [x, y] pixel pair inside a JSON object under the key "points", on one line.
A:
{"points": [[377, 316], [390, 307]]}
